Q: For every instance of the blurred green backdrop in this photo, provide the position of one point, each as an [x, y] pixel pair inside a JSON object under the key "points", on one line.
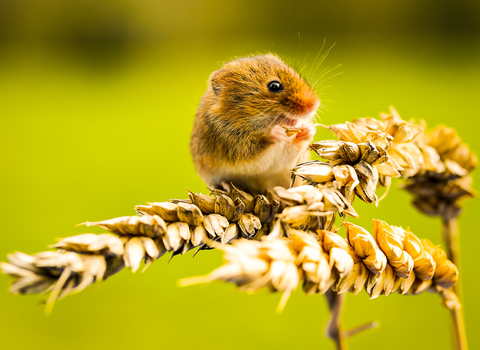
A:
{"points": [[97, 100]]}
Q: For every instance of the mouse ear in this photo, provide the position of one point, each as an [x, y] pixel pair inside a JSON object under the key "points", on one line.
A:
{"points": [[218, 79]]}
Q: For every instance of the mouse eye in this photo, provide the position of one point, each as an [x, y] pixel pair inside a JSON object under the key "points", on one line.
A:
{"points": [[275, 86]]}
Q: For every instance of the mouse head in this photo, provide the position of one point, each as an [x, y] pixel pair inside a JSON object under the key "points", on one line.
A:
{"points": [[264, 89]]}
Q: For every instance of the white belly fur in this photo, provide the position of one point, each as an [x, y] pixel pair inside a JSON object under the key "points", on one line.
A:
{"points": [[270, 168]]}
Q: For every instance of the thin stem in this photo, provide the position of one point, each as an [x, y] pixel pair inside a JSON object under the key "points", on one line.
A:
{"points": [[450, 234], [333, 329], [359, 329], [459, 329]]}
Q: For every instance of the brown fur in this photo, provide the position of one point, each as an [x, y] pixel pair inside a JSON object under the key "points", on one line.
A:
{"points": [[237, 112]]}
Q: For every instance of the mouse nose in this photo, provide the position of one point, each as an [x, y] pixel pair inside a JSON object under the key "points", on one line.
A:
{"points": [[312, 104]]}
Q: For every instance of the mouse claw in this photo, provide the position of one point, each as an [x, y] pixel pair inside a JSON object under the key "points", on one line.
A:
{"points": [[278, 134], [307, 133]]}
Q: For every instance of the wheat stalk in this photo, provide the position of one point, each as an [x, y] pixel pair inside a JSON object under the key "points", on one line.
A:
{"points": [[286, 237]]}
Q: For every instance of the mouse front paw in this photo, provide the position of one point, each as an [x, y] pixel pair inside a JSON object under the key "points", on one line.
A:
{"points": [[278, 134], [307, 133]]}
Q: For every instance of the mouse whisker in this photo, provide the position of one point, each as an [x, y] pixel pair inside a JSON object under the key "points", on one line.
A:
{"points": [[316, 64], [325, 72]]}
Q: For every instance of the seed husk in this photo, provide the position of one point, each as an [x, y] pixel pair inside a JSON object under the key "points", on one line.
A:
{"points": [[204, 202], [151, 226], [249, 225], [247, 199], [215, 225], [189, 213], [225, 206], [166, 210], [314, 171], [232, 233], [92, 243], [145, 209], [199, 236], [239, 210], [174, 238], [262, 208], [134, 253]]}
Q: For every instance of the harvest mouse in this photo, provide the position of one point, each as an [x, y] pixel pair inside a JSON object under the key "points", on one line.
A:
{"points": [[239, 135]]}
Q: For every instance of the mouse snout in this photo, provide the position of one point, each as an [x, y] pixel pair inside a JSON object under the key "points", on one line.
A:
{"points": [[303, 103], [312, 104]]}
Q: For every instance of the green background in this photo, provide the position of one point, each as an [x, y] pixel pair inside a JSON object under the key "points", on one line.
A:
{"points": [[97, 100]]}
